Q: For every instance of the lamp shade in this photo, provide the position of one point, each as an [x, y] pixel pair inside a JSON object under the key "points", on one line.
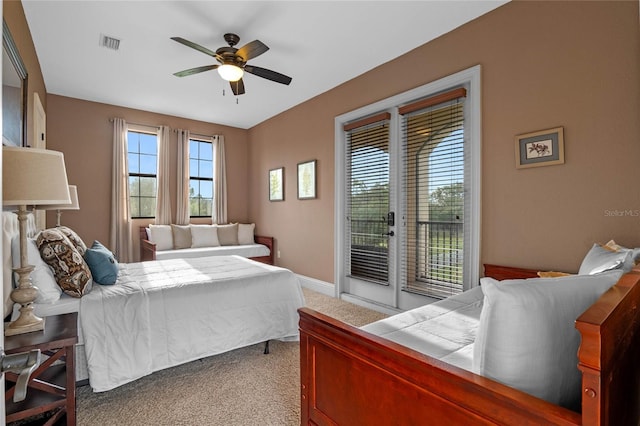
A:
{"points": [[75, 205], [230, 72], [33, 176]]}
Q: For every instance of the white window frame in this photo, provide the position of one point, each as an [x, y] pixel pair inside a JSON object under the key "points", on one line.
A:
{"points": [[151, 130], [209, 140]]}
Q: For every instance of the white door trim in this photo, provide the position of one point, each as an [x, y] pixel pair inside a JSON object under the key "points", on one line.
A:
{"points": [[472, 78]]}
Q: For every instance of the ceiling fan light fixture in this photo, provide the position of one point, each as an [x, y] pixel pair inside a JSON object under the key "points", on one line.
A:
{"points": [[230, 72]]}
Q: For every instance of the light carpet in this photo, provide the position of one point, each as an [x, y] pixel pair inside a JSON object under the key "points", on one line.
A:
{"points": [[241, 387]]}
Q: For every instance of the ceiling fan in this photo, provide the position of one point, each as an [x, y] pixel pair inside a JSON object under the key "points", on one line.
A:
{"points": [[233, 62]]}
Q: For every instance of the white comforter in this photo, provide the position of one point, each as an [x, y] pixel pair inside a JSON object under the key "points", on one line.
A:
{"points": [[164, 313], [445, 330]]}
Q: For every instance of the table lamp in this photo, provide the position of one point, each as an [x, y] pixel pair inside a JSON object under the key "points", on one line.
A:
{"points": [[75, 205], [30, 177]]}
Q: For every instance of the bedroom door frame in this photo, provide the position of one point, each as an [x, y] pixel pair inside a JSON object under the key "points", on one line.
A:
{"points": [[391, 298], [40, 142]]}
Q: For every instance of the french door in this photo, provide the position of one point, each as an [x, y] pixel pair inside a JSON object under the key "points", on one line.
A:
{"points": [[408, 182], [369, 218]]}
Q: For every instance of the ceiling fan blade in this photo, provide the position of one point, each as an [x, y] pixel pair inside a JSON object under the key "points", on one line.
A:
{"points": [[251, 50], [196, 70], [237, 87], [268, 74], [196, 46]]}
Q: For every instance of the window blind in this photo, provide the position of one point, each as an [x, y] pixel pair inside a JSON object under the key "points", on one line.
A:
{"points": [[433, 194], [367, 198]]}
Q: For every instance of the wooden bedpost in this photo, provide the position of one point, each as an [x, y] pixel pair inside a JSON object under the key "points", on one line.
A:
{"points": [[609, 355]]}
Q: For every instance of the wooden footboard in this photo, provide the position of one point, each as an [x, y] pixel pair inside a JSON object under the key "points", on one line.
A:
{"points": [[351, 377]]}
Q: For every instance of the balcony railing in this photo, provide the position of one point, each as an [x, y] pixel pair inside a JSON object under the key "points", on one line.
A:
{"points": [[437, 256]]}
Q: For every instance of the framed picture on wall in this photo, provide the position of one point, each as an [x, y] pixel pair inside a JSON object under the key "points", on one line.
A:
{"points": [[276, 184], [307, 180], [541, 148]]}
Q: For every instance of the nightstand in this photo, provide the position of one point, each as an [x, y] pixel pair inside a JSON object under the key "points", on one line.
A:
{"points": [[52, 386]]}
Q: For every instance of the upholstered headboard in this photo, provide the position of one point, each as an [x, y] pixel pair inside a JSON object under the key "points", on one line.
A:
{"points": [[11, 230]]}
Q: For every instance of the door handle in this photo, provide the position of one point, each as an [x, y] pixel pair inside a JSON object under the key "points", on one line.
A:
{"points": [[390, 234], [23, 364]]}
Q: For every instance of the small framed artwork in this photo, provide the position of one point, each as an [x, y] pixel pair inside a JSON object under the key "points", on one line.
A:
{"points": [[276, 184], [307, 180], [542, 148]]}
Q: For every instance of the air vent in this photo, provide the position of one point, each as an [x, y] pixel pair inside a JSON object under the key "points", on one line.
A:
{"points": [[109, 42]]}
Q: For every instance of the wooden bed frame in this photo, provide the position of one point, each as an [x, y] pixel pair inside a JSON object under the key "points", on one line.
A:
{"points": [[351, 377], [148, 249]]}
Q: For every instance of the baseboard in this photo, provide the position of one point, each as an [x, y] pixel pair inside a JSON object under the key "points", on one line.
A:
{"points": [[369, 304], [316, 285], [328, 289]]}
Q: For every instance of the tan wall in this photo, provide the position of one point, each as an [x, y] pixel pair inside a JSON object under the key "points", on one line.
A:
{"points": [[82, 131], [544, 64], [13, 14]]}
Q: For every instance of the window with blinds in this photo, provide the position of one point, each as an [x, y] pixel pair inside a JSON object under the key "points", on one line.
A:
{"points": [[433, 186], [367, 198]]}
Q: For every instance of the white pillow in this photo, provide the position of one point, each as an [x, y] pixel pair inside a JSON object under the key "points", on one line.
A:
{"points": [[526, 336], [245, 233], [635, 252], [204, 236], [162, 236], [599, 259], [42, 276]]}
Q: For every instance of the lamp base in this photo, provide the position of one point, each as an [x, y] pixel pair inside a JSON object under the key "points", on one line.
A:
{"points": [[24, 324], [26, 293]]}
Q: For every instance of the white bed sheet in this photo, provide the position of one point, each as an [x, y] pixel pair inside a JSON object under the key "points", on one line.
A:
{"points": [[65, 305], [249, 250], [445, 330], [165, 313]]}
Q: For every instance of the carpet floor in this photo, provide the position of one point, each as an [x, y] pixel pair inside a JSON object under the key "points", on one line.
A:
{"points": [[241, 387]]}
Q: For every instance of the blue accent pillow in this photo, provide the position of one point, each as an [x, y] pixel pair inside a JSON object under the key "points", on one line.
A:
{"points": [[102, 263]]}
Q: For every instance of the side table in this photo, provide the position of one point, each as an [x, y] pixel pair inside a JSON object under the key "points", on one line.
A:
{"points": [[52, 386]]}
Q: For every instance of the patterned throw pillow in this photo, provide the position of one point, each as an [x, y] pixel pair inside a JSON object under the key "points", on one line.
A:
{"points": [[69, 268], [74, 238]]}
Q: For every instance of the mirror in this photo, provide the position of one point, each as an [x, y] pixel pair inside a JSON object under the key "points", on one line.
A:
{"points": [[14, 92]]}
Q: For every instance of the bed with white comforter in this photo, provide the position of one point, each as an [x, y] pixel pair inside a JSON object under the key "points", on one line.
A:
{"points": [[165, 313]]}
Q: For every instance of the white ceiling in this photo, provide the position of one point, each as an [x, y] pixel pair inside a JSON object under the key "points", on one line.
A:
{"points": [[320, 44]]}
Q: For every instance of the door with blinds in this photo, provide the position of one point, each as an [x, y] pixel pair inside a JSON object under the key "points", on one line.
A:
{"points": [[408, 226], [369, 216], [433, 194]]}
